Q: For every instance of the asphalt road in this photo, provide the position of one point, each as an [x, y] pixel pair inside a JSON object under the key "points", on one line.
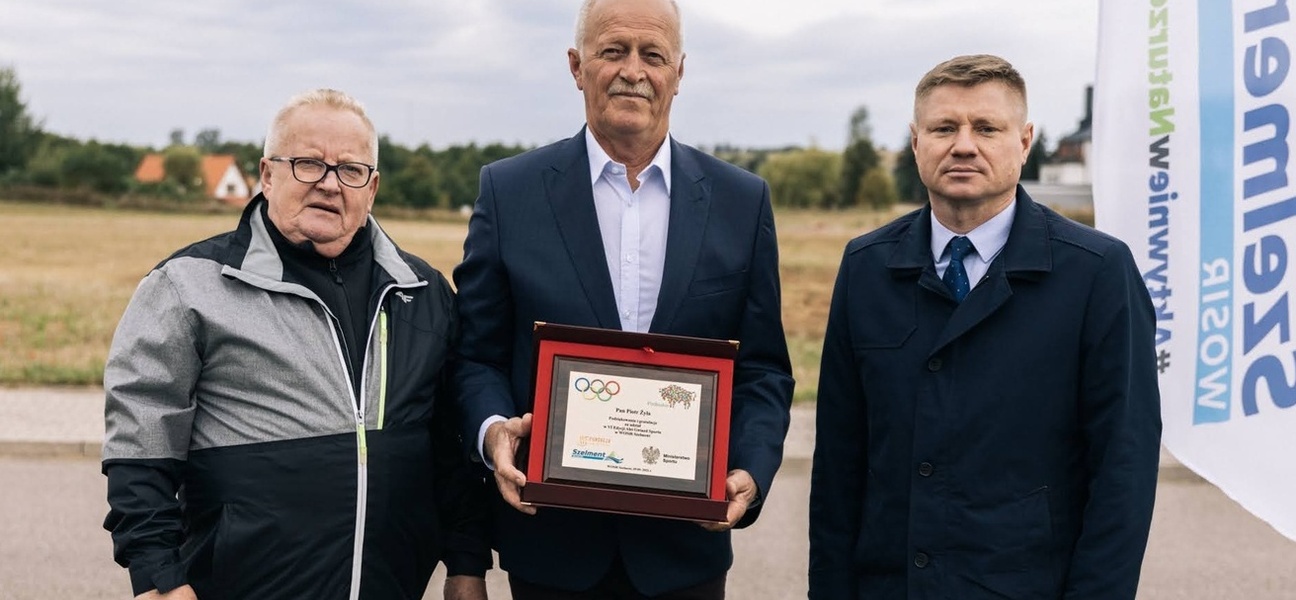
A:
{"points": [[1203, 546]]}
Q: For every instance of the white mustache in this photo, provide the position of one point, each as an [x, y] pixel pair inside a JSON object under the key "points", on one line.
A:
{"points": [[641, 89]]}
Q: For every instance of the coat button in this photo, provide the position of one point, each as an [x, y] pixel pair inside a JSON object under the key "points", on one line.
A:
{"points": [[925, 469], [935, 364], [920, 560]]}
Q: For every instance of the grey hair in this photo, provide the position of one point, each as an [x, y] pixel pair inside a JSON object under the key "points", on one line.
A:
{"points": [[319, 97], [587, 6]]}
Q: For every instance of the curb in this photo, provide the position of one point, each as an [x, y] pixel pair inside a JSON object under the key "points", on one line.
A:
{"points": [[78, 413], [49, 449], [1171, 470]]}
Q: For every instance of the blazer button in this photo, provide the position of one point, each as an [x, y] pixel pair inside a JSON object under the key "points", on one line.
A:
{"points": [[925, 469], [935, 364], [920, 560]]}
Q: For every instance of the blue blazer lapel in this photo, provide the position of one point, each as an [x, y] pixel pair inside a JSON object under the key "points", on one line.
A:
{"points": [[571, 197], [690, 203]]}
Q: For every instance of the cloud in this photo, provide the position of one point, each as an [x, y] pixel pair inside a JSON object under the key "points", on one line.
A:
{"points": [[802, 86], [495, 70]]}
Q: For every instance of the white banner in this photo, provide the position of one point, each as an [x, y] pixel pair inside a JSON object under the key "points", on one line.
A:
{"points": [[1192, 168]]}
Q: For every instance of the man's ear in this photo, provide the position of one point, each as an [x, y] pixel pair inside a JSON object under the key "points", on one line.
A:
{"points": [[1028, 136], [264, 167], [574, 63], [679, 76], [373, 191]]}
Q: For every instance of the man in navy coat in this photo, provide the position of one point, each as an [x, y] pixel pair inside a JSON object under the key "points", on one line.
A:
{"points": [[620, 227], [988, 417]]}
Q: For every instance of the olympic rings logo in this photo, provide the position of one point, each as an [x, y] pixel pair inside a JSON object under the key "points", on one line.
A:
{"points": [[597, 388]]}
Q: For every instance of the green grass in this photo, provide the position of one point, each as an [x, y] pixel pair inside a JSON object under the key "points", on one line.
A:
{"points": [[66, 274]]}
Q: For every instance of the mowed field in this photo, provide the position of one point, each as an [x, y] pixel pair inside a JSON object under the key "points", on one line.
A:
{"points": [[66, 274]]}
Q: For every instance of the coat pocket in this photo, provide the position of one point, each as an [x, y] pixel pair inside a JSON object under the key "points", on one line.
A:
{"points": [[892, 338], [1017, 559], [229, 551]]}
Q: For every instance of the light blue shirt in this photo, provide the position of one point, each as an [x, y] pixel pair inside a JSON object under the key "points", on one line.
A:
{"points": [[987, 239], [633, 225]]}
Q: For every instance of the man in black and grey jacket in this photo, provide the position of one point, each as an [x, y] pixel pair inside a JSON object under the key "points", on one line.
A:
{"points": [[276, 423]]}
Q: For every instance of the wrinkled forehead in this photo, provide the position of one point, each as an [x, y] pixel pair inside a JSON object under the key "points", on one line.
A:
{"points": [[613, 17], [328, 126]]}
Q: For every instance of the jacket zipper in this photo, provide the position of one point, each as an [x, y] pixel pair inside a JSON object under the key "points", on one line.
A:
{"points": [[358, 407], [382, 365], [362, 458], [362, 472]]}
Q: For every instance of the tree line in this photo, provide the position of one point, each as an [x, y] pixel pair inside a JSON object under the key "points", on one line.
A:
{"points": [[428, 178], [824, 179]]}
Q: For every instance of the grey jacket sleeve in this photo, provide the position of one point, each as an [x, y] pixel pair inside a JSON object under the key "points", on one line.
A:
{"points": [[153, 366]]}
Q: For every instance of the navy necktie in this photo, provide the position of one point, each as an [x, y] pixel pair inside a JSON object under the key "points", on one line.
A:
{"points": [[956, 278]]}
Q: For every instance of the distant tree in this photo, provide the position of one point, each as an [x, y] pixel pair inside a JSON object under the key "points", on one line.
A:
{"points": [[877, 189], [20, 136], [1035, 159], [208, 140], [177, 137], [391, 156], [68, 163], [95, 166], [392, 161], [803, 178], [419, 183], [908, 183], [742, 158], [460, 166], [858, 158], [130, 155], [429, 178], [183, 165], [46, 166], [750, 159]]}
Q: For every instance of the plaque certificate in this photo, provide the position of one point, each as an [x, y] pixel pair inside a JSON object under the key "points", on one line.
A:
{"points": [[630, 423]]}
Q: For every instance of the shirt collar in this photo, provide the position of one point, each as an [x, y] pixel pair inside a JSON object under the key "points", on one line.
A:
{"points": [[987, 238], [599, 160]]}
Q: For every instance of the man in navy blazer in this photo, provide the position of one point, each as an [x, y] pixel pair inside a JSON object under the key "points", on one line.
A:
{"points": [[988, 417], [620, 227]]}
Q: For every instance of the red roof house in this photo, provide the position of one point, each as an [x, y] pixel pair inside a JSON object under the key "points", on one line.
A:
{"points": [[221, 177]]}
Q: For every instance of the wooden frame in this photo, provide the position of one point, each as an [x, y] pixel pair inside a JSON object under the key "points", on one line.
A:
{"points": [[663, 401]]}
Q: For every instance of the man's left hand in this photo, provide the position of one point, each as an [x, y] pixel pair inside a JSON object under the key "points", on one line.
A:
{"points": [[740, 490], [465, 587]]}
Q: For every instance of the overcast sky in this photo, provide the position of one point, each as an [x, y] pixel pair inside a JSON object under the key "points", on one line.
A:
{"points": [[758, 73]]}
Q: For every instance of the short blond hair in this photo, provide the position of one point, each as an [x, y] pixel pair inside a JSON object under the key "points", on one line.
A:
{"points": [[970, 70], [324, 97]]}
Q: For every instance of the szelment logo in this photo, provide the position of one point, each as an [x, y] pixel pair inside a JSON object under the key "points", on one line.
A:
{"points": [[593, 455], [597, 388]]}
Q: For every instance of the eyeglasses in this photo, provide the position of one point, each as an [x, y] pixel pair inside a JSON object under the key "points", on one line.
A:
{"points": [[313, 170]]}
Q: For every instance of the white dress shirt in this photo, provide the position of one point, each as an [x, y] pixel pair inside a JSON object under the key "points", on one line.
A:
{"points": [[987, 239], [633, 225]]}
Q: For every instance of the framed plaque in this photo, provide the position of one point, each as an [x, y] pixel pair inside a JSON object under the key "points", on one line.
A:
{"points": [[630, 423]]}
